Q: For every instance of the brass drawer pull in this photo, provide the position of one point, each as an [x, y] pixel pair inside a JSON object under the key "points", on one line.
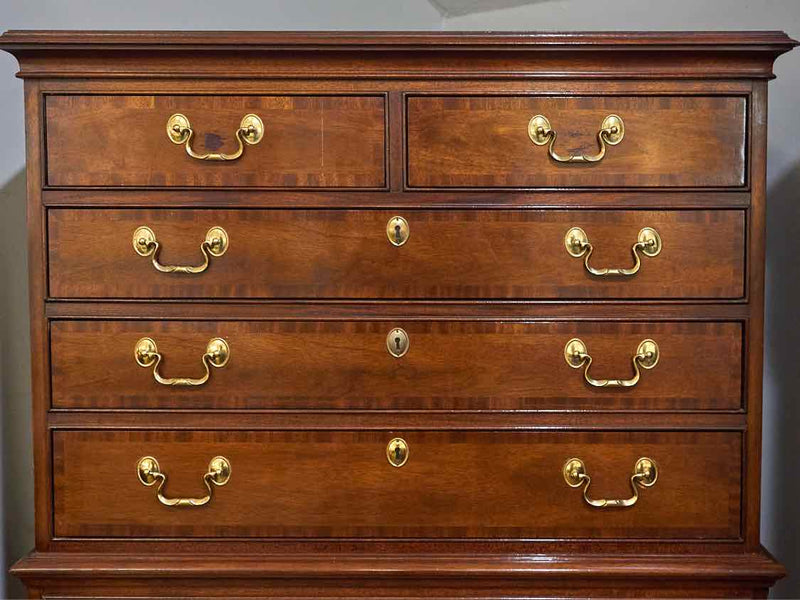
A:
{"points": [[250, 132], [219, 473], [612, 130], [648, 242], [215, 244], [147, 355], [577, 356], [645, 473]]}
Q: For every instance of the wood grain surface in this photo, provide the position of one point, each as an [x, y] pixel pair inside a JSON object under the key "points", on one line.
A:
{"points": [[482, 142], [515, 254], [455, 484], [309, 141]]}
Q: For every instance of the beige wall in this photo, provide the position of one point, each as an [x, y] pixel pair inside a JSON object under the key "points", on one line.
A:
{"points": [[781, 487]]}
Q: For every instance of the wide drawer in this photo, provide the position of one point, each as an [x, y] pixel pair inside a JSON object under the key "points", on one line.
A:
{"points": [[667, 141], [443, 365], [455, 484], [514, 254], [307, 141]]}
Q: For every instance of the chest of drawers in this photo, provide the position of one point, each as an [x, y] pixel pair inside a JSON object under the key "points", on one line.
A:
{"points": [[396, 315]]}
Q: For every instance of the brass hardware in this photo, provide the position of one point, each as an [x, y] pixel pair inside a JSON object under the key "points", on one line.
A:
{"points": [[397, 231], [612, 130], [215, 244], [217, 355], [397, 342], [648, 242], [397, 452], [149, 473], [577, 356], [645, 473], [250, 132]]}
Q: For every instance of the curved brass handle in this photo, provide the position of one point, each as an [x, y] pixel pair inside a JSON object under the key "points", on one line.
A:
{"points": [[645, 473], [612, 130], [648, 242], [147, 355], [577, 356], [215, 244], [149, 473], [250, 132]]}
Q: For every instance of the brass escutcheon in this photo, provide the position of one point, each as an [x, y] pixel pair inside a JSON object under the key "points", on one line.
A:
{"points": [[397, 342], [397, 452], [397, 231]]}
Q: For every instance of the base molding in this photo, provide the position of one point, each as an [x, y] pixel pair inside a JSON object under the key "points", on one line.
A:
{"points": [[396, 576]]}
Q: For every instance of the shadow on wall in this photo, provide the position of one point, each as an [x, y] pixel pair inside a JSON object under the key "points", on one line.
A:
{"points": [[782, 377], [15, 393]]}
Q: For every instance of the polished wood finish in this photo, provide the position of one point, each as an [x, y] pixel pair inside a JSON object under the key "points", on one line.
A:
{"points": [[482, 141], [345, 365], [454, 485], [347, 254], [359, 128], [309, 141]]}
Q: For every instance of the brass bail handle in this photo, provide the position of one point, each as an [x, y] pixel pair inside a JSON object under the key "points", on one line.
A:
{"points": [[250, 132], [611, 132], [150, 473], [577, 355], [215, 244], [217, 355], [645, 474], [648, 242]]}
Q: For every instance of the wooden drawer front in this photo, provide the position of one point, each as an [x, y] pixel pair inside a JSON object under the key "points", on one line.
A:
{"points": [[347, 254], [483, 142], [455, 484], [448, 365], [309, 141]]}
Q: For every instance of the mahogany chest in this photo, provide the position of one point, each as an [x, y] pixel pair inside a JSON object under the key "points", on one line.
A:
{"points": [[339, 315]]}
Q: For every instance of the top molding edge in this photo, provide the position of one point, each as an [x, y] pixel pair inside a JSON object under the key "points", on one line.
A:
{"points": [[395, 55], [164, 40]]}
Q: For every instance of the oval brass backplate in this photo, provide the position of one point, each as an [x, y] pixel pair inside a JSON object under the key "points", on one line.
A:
{"points": [[574, 351], [649, 352], [539, 130], [614, 129], [575, 241], [146, 468], [218, 351], [217, 241], [144, 241], [397, 231], [397, 452], [651, 240], [646, 467], [219, 470], [178, 128], [145, 351], [572, 471], [252, 129], [397, 342]]}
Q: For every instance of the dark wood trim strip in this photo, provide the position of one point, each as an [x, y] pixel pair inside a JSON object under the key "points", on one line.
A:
{"points": [[395, 420]]}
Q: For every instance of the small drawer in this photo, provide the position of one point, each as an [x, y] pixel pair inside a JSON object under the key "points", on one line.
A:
{"points": [[454, 484], [396, 365], [597, 142], [293, 141], [407, 254]]}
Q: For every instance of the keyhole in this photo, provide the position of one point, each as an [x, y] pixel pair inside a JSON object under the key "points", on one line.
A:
{"points": [[397, 343], [398, 453], [397, 234]]}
